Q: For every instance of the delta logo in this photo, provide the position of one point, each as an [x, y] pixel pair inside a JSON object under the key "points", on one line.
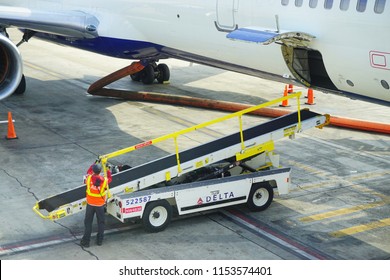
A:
{"points": [[216, 197]]}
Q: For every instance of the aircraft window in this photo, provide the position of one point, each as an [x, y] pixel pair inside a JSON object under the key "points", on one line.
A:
{"points": [[379, 6], [385, 84], [313, 3], [298, 3], [344, 5], [284, 2], [361, 5], [328, 4]]}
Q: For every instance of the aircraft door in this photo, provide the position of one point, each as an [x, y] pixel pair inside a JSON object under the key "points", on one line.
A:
{"points": [[226, 12]]}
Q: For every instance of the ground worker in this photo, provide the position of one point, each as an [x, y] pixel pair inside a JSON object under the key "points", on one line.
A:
{"points": [[96, 193]]}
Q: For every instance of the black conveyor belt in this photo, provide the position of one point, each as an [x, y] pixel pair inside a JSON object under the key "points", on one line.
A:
{"points": [[52, 203]]}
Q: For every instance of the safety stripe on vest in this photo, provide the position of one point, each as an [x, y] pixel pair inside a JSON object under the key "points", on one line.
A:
{"points": [[103, 188]]}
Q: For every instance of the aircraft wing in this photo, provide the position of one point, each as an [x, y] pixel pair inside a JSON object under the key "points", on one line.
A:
{"points": [[265, 37], [74, 24]]}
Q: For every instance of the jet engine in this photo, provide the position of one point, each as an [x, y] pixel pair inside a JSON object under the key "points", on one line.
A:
{"points": [[11, 67]]}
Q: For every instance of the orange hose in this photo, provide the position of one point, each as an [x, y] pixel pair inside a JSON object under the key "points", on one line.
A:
{"points": [[360, 124], [188, 101], [230, 107], [121, 73]]}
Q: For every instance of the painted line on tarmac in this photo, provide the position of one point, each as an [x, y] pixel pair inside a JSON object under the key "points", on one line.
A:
{"points": [[34, 244], [340, 212], [183, 122], [361, 228], [384, 200], [274, 237], [44, 70], [347, 181], [368, 175], [349, 150], [24, 246], [310, 169], [59, 76]]}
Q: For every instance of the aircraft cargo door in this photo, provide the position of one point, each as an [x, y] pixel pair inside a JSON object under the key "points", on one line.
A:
{"points": [[226, 11]]}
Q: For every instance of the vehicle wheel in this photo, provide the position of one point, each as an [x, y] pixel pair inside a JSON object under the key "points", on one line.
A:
{"points": [[260, 197], [21, 87], [147, 75], [163, 73], [136, 77], [157, 216]]}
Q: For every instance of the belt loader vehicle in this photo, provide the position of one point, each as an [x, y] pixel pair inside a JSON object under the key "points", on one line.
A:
{"points": [[234, 169]]}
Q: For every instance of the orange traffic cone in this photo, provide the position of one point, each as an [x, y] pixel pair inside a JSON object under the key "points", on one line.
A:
{"points": [[285, 102], [290, 88], [11, 129], [310, 97]]}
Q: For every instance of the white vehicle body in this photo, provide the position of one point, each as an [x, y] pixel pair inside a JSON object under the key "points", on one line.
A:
{"points": [[154, 206]]}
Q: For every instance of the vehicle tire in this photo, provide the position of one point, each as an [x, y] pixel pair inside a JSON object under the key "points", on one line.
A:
{"points": [[147, 75], [157, 216], [136, 77], [163, 73], [260, 196]]}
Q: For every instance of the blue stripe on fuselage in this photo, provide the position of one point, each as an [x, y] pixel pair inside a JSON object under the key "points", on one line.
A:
{"points": [[114, 47]]}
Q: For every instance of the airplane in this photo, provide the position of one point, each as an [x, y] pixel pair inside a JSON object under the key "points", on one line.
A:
{"points": [[338, 46]]}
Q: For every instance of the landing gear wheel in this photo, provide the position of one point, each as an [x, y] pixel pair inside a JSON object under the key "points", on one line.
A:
{"points": [[147, 75], [157, 216], [163, 73], [260, 197], [136, 77]]}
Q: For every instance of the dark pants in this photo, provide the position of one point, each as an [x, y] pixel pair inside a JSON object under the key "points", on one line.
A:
{"points": [[89, 213]]}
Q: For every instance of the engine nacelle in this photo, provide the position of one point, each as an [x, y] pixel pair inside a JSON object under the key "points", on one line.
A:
{"points": [[11, 67]]}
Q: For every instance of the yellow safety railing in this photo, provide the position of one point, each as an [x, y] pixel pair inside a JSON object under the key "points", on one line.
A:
{"points": [[104, 158], [36, 210], [54, 215]]}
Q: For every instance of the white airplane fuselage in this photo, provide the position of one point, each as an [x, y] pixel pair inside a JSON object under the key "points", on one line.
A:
{"points": [[350, 48]]}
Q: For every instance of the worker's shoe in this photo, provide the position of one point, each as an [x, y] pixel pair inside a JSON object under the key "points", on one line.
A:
{"points": [[84, 243], [99, 242]]}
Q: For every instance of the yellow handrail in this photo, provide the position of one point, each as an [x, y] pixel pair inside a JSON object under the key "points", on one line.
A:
{"points": [[36, 210], [103, 158]]}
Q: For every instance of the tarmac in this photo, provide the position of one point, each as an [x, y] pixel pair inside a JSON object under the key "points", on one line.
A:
{"points": [[338, 207]]}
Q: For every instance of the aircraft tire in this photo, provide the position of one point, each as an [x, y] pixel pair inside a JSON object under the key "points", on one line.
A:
{"points": [[136, 77], [147, 75], [163, 73]]}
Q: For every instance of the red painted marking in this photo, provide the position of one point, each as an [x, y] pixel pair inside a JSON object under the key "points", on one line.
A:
{"points": [[144, 144], [380, 60], [279, 236], [132, 209]]}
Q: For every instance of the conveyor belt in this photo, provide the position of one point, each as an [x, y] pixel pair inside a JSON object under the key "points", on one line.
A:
{"points": [[52, 203]]}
